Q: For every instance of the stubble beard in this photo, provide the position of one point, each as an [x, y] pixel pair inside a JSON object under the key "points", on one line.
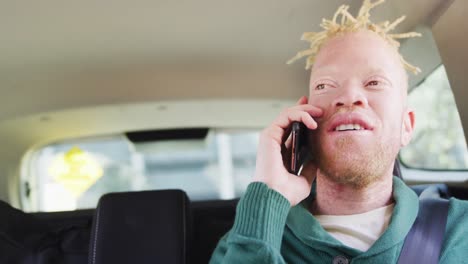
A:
{"points": [[353, 165]]}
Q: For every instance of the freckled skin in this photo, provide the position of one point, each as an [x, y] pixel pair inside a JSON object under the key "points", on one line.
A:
{"points": [[358, 73]]}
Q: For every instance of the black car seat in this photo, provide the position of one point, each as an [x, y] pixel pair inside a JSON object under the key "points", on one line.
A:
{"points": [[141, 227]]}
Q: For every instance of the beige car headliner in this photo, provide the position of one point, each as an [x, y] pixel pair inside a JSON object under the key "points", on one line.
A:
{"points": [[74, 69]]}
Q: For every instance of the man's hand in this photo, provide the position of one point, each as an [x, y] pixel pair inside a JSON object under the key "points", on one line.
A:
{"points": [[270, 168]]}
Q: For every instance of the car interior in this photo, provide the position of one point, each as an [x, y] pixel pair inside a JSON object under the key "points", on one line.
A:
{"points": [[129, 129]]}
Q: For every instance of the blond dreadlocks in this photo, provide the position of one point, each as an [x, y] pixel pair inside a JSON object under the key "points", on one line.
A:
{"points": [[347, 23]]}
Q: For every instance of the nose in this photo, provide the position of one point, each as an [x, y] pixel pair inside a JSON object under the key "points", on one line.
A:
{"points": [[351, 95]]}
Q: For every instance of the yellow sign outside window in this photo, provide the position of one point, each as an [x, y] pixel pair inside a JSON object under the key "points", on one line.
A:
{"points": [[76, 170]]}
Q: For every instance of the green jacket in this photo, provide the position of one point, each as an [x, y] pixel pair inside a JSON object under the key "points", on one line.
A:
{"points": [[267, 230]]}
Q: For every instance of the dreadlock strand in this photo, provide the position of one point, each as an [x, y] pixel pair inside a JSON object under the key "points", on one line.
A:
{"points": [[395, 23], [405, 35], [348, 23]]}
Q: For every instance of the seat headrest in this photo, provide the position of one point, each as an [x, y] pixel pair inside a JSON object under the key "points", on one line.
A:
{"points": [[140, 227]]}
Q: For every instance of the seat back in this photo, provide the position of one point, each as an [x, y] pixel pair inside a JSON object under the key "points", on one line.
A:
{"points": [[140, 227], [211, 220], [40, 238]]}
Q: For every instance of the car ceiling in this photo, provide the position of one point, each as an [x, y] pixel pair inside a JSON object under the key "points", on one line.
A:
{"points": [[59, 54], [70, 65]]}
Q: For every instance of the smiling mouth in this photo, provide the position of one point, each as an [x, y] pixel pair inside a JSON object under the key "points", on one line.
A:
{"points": [[349, 127]]}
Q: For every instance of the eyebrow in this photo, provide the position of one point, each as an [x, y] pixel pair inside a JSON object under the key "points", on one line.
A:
{"points": [[331, 70]]}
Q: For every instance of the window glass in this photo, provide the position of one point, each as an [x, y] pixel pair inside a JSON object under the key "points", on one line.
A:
{"points": [[438, 140], [72, 175]]}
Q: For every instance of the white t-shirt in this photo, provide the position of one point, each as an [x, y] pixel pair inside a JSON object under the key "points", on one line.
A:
{"points": [[358, 231]]}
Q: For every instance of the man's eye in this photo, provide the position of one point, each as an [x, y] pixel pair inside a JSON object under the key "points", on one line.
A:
{"points": [[320, 86], [373, 83]]}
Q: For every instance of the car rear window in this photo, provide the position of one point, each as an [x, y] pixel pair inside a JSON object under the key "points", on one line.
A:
{"points": [[74, 174]]}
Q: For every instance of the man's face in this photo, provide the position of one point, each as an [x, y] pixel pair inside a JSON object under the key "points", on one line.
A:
{"points": [[360, 83]]}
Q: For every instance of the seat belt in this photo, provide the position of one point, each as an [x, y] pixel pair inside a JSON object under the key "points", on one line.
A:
{"points": [[424, 240]]}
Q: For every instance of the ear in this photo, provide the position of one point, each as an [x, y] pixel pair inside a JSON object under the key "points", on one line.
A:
{"points": [[407, 127]]}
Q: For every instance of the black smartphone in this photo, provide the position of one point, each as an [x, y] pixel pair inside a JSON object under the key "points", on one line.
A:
{"points": [[298, 147]]}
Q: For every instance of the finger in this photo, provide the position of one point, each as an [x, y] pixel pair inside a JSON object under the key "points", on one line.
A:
{"points": [[302, 100], [286, 135], [280, 129], [311, 109], [284, 120], [274, 133], [302, 117], [288, 141], [286, 155]]}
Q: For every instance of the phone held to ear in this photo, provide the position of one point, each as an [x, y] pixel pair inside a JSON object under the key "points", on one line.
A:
{"points": [[298, 147]]}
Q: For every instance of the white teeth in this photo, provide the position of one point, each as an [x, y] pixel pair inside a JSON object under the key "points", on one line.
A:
{"points": [[345, 127]]}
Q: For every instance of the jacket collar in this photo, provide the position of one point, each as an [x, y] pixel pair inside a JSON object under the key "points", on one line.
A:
{"points": [[307, 229]]}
